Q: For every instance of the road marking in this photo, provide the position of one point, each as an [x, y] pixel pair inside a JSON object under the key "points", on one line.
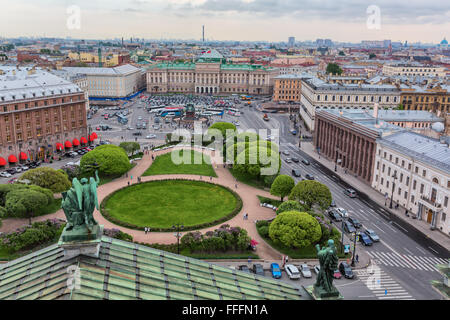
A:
{"points": [[433, 249], [378, 228], [389, 259], [421, 250], [401, 227], [408, 250]]}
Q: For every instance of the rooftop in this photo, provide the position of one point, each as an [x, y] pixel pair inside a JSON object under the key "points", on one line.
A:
{"points": [[124, 270], [120, 70], [319, 84], [26, 83]]}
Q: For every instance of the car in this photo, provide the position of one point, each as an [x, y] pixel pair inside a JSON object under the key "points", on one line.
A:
{"points": [[351, 193], [337, 274], [139, 118], [306, 272], [355, 222], [305, 161], [151, 136], [286, 153], [333, 204], [342, 212], [258, 269], [309, 177], [348, 227], [5, 174], [275, 270], [295, 160], [137, 133], [244, 268], [296, 173], [346, 248], [317, 268], [346, 271], [292, 272], [365, 240], [334, 215], [288, 160], [372, 235]]}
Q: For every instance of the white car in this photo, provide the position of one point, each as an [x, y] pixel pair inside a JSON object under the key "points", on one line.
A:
{"points": [[151, 136], [306, 272], [292, 271], [317, 268], [342, 212], [5, 174]]}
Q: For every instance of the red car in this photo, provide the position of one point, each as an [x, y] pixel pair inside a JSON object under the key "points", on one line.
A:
{"points": [[337, 274]]}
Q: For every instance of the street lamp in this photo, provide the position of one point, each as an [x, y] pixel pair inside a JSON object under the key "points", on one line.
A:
{"points": [[178, 227], [394, 176], [354, 248]]}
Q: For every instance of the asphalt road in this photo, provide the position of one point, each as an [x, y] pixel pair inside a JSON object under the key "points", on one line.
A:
{"points": [[401, 255]]}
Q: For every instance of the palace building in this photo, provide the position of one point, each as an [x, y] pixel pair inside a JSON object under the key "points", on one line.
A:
{"points": [[40, 114], [210, 74]]}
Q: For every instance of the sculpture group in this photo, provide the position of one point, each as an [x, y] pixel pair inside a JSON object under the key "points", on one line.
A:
{"points": [[328, 259]]}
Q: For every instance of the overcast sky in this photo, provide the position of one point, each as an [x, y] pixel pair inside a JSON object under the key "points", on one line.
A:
{"points": [[271, 20]]}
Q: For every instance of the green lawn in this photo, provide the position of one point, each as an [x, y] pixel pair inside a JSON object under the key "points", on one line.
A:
{"points": [[161, 204], [163, 164], [248, 180]]}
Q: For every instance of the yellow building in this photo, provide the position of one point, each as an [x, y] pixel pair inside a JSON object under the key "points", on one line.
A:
{"points": [[108, 60], [432, 98], [287, 88]]}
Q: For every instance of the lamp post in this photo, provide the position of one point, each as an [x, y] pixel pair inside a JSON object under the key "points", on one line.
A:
{"points": [[354, 248], [177, 234], [394, 176]]}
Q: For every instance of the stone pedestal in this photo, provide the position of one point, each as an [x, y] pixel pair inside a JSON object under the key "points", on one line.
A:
{"points": [[77, 242], [318, 293]]}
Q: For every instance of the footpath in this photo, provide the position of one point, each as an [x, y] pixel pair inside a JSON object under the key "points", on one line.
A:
{"points": [[379, 198]]}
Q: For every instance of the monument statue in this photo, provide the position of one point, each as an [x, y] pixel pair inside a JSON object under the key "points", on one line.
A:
{"points": [[78, 205], [328, 259]]}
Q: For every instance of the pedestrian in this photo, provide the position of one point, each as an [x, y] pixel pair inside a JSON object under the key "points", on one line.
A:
{"points": [[235, 185], [126, 174], [210, 178], [145, 230], [128, 183], [131, 177], [357, 258]]}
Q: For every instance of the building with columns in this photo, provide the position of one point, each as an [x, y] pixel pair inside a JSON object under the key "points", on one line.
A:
{"points": [[317, 93], [414, 170], [348, 137], [210, 74]]}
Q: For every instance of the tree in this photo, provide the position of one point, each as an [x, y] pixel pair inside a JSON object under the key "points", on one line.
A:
{"points": [[400, 107], [25, 202], [295, 229], [290, 205], [223, 127], [341, 53], [372, 55], [48, 178], [334, 68], [310, 192], [2, 214], [282, 186], [251, 161], [130, 147], [110, 160]]}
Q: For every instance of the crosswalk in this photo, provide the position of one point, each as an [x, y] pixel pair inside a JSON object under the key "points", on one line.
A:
{"points": [[394, 259], [382, 286]]}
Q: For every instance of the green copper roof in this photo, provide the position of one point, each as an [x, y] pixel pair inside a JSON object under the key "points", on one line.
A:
{"points": [[126, 270], [223, 66]]}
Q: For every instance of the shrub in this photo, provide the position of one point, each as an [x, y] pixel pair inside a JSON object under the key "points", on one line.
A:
{"points": [[118, 234], [295, 229], [110, 160], [24, 203], [264, 231], [49, 178], [290, 205], [262, 223]]}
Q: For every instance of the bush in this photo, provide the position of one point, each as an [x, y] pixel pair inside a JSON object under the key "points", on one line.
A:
{"points": [[264, 231], [290, 205], [262, 223], [49, 178], [310, 192], [2, 214], [32, 236], [295, 229], [25, 202], [118, 234], [110, 160]]}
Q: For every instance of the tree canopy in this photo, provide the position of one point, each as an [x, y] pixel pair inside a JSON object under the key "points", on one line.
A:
{"points": [[110, 160], [130, 147], [258, 160], [290, 205], [48, 178], [310, 192], [222, 127], [295, 229], [334, 68], [282, 186]]}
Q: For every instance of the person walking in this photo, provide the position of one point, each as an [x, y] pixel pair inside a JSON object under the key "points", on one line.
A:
{"points": [[128, 183], [357, 258]]}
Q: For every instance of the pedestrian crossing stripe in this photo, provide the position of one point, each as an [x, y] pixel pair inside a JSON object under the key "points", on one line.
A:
{"points": [[406, 260]]}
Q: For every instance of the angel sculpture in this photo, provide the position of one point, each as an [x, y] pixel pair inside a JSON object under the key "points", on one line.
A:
{"points": [[80, 202], [328, 264]]}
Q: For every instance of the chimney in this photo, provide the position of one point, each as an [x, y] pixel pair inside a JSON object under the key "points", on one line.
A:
{"points": [[375, 112]]}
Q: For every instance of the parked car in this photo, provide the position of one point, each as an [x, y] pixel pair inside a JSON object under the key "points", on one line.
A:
{"points": [[258, 269], [342, 212], [151, 136], [317, 268], [305, 161], [306, 272], [348, 227], [346, 248], [334, 215], [354, 222], [244, 268], [346, 271], [372, 235], [275, 270], [292, 272], [5, 174], [337, 274], [365, 240], [288, 160], [295, 160], [351, 193], [296, 173], [286, 153], [309, 177], [137, 133]]}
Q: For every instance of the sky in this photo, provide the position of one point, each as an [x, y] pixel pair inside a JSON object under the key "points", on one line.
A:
{"points": [[253, 20]]}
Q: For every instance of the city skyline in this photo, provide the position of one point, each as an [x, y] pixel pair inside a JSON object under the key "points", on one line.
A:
{"points": [[239, 20]]}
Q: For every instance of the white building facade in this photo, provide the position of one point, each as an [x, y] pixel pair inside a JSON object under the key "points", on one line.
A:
{"points": [[413, 70], [318, 93], [414, 171]]}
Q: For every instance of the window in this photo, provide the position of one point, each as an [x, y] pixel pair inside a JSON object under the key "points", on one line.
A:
{"points": [[421, 188], [382, 181], [406, 194], [424, 173], [412, 199], [389, 171], [446, 201], [407, 181], [417, 170], [401, 177], [414, 184], [399, 191]]}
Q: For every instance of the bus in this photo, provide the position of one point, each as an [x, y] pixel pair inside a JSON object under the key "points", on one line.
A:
{"points": [[171, 111]]}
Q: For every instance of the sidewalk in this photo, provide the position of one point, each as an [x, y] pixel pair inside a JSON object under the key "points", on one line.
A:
{"points": [[379, 198]]}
